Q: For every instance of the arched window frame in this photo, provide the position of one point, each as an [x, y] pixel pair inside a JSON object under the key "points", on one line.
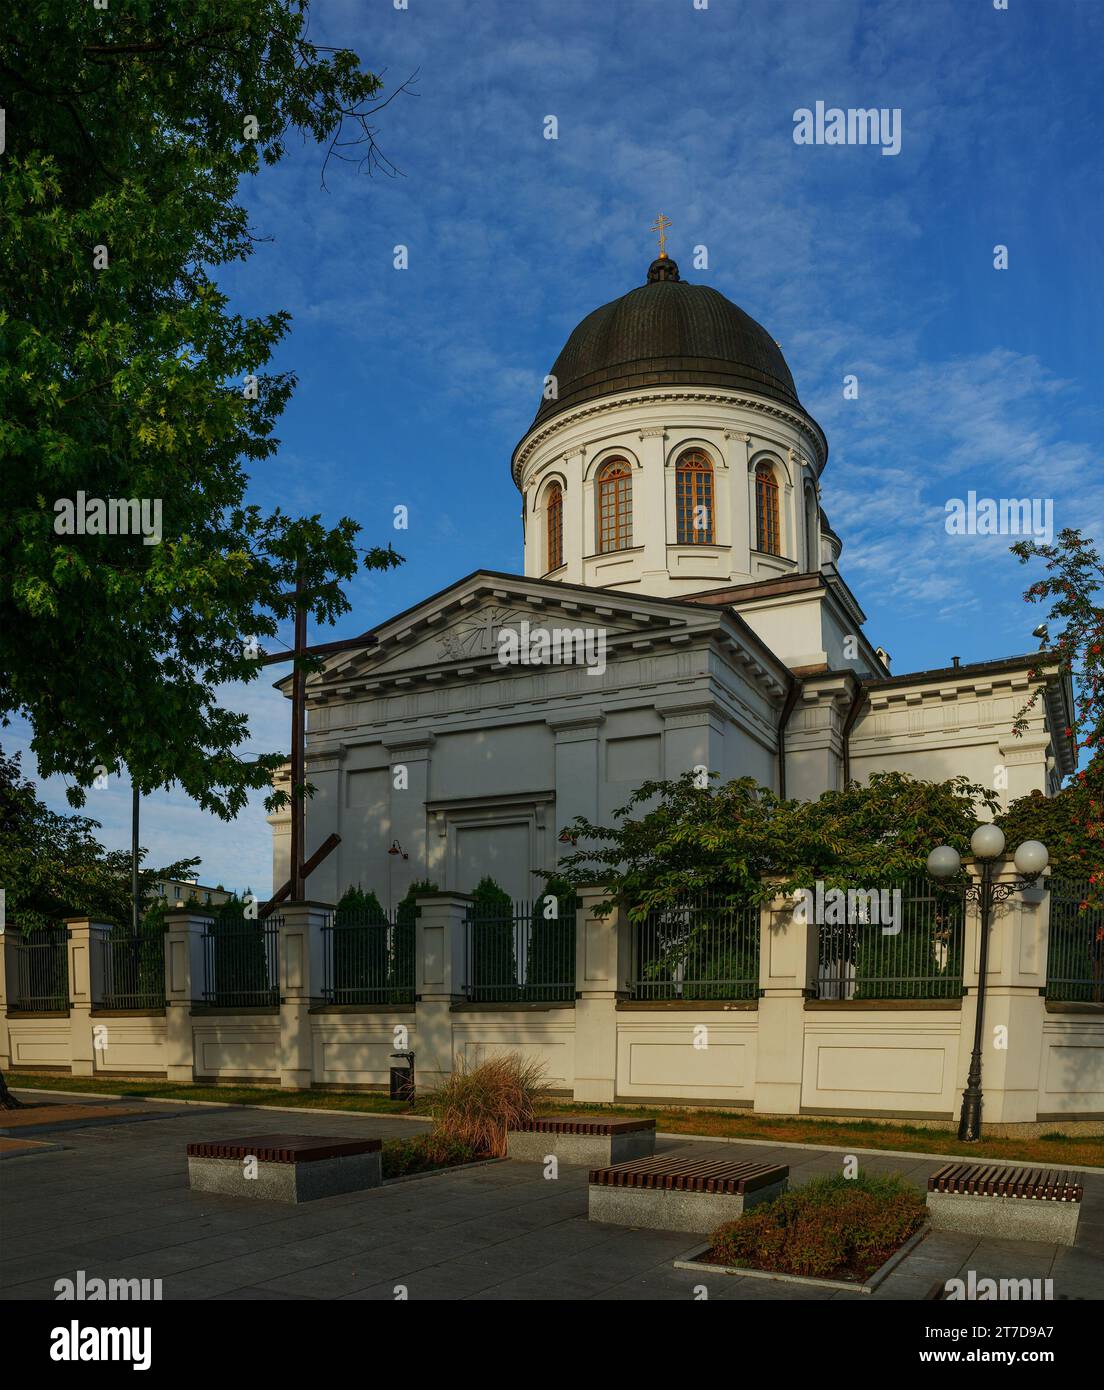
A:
{"points": [[553, 527], [695, 486], [613, 505], [768, 512]]}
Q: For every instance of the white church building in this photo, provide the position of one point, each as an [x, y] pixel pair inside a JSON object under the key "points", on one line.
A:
{"points": [[681, 568], [681, 608]]}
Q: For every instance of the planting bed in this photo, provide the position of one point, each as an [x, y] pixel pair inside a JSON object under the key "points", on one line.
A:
{"points": [[846, 1233]]}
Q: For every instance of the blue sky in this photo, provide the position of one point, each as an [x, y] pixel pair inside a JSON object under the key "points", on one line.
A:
{"points": [[415, 385]]}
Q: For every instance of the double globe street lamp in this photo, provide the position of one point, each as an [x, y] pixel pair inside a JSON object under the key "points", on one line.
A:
{"points": [[987, 846]]}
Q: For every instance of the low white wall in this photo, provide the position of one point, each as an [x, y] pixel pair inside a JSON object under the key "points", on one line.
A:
{"points": [[898, 1062], [687, 1055], [237, 1047], [1071, 1075], [354, 1049], [786, 1053], [40, 1042], [546, 1036], [130, 1043]]}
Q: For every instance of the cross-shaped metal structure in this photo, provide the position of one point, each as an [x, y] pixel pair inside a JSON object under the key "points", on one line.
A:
{"points": [[660, 225], [300, 870]]}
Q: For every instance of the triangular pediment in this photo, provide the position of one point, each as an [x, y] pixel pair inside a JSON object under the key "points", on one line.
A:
{"points": [[460, 632]]}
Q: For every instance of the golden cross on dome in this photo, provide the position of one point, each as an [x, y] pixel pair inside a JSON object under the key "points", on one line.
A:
{"points": [[660, 225]]}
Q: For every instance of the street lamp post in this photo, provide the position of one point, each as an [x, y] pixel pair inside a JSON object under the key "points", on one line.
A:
{"points": [[987, 845]]}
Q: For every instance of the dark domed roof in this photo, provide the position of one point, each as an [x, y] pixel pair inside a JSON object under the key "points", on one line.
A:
{"points": [[668, 332]]}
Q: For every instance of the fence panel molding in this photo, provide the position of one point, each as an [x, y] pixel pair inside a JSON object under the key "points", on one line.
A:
{"points": [[710, 1002]]}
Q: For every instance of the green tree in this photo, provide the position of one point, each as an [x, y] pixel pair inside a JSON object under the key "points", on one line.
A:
{"points": [[1074, 589], [124, 375], [551, 959], [740, 842], [406, 940], [1063, 823], [361, 958], [493, 957], [699, 857], [52, 866]]}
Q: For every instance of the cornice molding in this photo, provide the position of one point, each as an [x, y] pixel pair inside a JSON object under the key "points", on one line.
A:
{"points": [[716, 396]]}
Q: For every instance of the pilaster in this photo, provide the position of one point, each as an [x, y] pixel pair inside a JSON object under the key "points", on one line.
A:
{"points": [[787, 971], [184, 986], [440, 980], [301, 982], [602, 963]]}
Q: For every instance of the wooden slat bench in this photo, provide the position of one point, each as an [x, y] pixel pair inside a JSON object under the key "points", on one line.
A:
{"points": [[583, 1139], [999, 1200], [682, 1192], [284, 1167]]}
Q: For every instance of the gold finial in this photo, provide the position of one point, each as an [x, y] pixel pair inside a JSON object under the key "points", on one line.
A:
{"points": [[660, 225]]}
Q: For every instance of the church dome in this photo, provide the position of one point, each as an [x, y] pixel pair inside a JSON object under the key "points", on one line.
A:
{"points": [[668, 333]]}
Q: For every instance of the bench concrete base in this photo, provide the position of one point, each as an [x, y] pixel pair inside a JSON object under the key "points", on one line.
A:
{"points": [[286, 1182], [588, 1150], [660, 1209], [1009, 1218]]}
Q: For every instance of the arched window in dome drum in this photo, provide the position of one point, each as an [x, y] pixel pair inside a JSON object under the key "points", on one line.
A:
{"points": [[553, 511], [767, 528], [614, 506], [694, 498]]}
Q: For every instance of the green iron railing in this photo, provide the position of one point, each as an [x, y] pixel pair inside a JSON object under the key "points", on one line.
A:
{"points": [[1075, 953]]}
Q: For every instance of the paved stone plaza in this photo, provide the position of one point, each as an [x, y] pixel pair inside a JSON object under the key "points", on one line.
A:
{"points": [[113, 1200]]}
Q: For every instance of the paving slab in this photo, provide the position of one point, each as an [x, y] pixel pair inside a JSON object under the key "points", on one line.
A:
{"points": [[115, 1203]]}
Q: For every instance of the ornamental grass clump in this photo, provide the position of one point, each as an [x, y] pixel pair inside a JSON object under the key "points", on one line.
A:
{"points": [[832, 1228], [477, 1105]]}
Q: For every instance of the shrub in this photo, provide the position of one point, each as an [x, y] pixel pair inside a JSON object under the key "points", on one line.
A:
{"points": [[550, 969], [844, 1227], [422, 1153], [361, 959], [477, 1105], [357, 906], [406, 927], [493, 959]]}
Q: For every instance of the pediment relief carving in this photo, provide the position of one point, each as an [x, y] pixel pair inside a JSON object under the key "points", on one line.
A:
{"points": [[471, 634]]}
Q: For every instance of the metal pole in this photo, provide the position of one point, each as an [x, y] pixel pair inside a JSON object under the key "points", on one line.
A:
{"points": [[136, 801], [969, 1127], [298, 735]]}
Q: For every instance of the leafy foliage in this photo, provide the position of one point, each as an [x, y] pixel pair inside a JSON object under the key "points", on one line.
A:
{"points": [[1074, 588], [1063, 823], [493, 958], [355, 905], [551, 960], [52, 866], [739, 840], [832, 1227], [423, 1153], [124, 374], [406, 934]]}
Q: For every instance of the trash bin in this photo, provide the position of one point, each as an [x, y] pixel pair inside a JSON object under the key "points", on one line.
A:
{"points": [[402, 1077]]}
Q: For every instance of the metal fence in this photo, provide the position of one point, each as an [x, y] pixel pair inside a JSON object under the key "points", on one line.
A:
{"points": [[42, 971], [524, 953], [921, 959], [368, 959], [704, 948], [131, 968], [1075, 956], [241, 967]]}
